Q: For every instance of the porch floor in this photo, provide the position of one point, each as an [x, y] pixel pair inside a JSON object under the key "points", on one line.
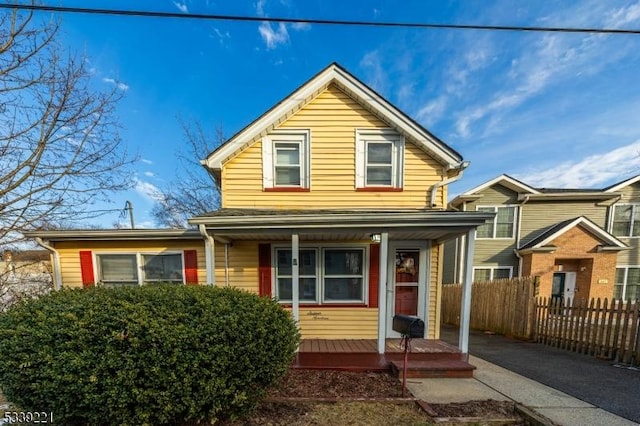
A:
{"points": [[436, 356]]}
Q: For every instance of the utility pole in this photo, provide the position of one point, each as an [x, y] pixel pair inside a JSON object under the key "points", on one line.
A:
{"points": [[129, 206]]}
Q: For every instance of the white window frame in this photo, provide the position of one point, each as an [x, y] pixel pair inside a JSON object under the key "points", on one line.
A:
{"points": [[139, 255], [320, 273], [492, 270], [299, 136], [635, 207], [495, 221], [397, 141], [276, 275], [626, 278]]}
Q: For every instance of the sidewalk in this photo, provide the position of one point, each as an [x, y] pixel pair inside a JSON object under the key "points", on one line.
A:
{"points": [[493, 382]]}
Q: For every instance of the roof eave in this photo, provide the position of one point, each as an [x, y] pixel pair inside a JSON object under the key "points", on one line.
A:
{"points": [[114, 234]]}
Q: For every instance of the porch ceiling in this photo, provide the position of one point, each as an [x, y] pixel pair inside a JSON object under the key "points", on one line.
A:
{"points": [[404, 224]]}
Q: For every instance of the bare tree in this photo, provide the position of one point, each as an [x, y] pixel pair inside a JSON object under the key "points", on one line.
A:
{"points": [[195, 192], [60, 151]]}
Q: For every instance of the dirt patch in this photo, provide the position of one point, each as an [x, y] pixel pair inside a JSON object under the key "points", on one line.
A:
{"points": [[336, 384], [488, 409]]}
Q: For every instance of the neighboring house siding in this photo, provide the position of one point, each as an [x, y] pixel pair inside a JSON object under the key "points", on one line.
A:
{"points": [[496, 195], [70, 254], [630, 194], [538, 216], [332, 118]]}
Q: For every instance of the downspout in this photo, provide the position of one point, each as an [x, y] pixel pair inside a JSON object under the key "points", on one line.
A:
{"points": [[434, 189], [226, 264], [57, 274], [209, 254], [518, 235]]}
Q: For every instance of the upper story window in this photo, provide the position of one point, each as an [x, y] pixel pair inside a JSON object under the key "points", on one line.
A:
{"points": [[379, 158], [492, 273], [503, 224], [626, 220], [285, 160]]}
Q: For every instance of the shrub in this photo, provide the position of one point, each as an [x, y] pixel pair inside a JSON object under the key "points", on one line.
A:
{"points": [[147, 355]]}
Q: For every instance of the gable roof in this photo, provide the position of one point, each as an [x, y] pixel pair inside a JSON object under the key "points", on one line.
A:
{"points": [[620, 185], [504, 180], [367, 97], [550, 234]]}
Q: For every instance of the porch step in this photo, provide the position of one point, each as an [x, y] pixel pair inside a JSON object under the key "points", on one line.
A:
{"points": [[445, 368]]}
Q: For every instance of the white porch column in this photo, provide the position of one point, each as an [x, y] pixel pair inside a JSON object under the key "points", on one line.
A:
{"points": [[210, 260], [465, 305], [382, 292], [295, 277]]}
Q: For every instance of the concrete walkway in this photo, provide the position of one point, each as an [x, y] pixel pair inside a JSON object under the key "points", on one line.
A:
{"points": [[493, 382]]}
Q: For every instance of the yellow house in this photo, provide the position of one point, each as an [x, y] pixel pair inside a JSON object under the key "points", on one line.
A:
{"points": [[333, 202]]}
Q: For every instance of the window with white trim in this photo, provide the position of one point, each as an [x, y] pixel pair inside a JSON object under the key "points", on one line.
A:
{"points": [[626, 220], [379, 158], [492, 273], [132, 269], [503, 224], [627, 285], [285, 159], [327, 275]]}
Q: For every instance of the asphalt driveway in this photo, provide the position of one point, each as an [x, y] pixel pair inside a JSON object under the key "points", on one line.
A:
{"points": [[612, 387]]}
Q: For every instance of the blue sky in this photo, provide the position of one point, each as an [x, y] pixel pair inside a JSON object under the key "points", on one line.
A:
{"points": [[552, 109]]}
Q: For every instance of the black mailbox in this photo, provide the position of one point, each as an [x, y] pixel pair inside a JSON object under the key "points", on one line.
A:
{"points": [[408, 325]]}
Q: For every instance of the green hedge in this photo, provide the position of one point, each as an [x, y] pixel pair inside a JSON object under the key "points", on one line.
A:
{"points": [[147, 355]]}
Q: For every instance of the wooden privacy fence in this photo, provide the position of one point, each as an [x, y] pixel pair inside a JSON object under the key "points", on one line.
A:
{"points": [[504, 306], [603, 329]]}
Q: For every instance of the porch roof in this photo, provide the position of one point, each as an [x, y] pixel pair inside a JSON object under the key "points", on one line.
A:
{"points": [[329, 224]]}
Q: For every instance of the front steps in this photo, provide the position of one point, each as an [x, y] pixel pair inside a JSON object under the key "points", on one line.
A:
{"points": [[440, 368]]}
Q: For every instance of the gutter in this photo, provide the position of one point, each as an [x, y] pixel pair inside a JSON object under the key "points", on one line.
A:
{"points": [[57, 275], [209, 254], [434, 189]]}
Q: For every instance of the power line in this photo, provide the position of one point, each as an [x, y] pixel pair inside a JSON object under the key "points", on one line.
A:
{"points": [[215, 17]]}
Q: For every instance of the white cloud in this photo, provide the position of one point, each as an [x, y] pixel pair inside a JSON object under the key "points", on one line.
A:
{"points": [[118, 84], [592, 171], [145, 161], [149, 174], [222, 36], [182, 7], [624, 15], [148, 190], [301, 26], [273, 38], [377, 77], [260, 7]]}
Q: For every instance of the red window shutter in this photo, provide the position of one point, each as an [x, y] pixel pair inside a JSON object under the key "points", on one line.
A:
{"points": [[264, 269], [191, 267], [86, 268], [374, 274]]}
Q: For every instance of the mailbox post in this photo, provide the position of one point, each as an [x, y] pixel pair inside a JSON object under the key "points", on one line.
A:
{"points": [[409, 327]]}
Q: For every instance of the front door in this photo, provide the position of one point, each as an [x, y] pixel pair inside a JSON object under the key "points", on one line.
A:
{"points": [[563, 286], [407, 284]]}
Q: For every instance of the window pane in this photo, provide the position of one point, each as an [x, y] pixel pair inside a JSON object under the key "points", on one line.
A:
{"points": [[287, 154], [307, 262], [633, 283], [504, 230], [338, 289], [379, 153], [505, 222], [343, 262], [307, 290], [636, 222], [500, 273], [379, 175], [621, 220], [486, 230], [483, 274], [167, 267], [287, 176], [118, 269], [283, 263]]}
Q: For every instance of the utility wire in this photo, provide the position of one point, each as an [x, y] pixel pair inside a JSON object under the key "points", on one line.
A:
{"points": [[203, 16]]}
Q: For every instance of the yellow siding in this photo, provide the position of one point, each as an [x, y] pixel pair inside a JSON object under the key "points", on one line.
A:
{"points": [[339, 323], [332, 118], [243, 265], [70, 254]]}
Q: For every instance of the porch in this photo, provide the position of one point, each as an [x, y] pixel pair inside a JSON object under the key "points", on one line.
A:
{"points": [[428, 357]]}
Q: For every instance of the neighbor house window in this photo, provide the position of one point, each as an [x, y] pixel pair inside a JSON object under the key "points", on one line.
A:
{"points": [[118, 269], [502, 225], [626, 220], [627, 286], [133, 269], [379, 158], [162, 268], [492, 273], [285, 160], [327, 275]]}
